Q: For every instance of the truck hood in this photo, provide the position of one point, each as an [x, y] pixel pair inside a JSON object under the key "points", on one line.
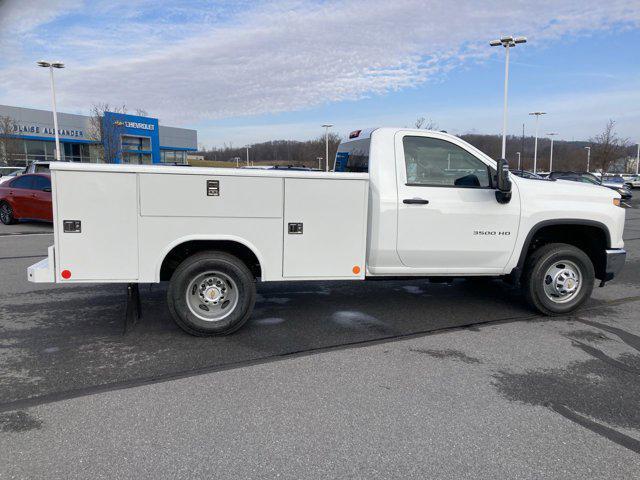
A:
{"points": [[563, 189]]}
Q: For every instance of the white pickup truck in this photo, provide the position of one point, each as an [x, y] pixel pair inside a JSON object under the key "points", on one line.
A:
{"points": [[400, 203]]}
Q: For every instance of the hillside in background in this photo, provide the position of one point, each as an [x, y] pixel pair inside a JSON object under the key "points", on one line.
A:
{"points": [[567, 155]]}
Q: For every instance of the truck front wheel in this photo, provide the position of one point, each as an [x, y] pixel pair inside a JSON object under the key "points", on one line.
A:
{"points": [[558, 278], [211, 293]]}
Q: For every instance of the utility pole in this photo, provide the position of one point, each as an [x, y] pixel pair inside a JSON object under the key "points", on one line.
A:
{"points": [[522, 140], [638, 159], [535, 145], [552, 134], [519, 163], [326, 126], [507, 43], [247, 147], [588, 149], [51, 66]]}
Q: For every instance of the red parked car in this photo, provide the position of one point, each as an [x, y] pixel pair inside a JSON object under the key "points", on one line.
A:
{"points": [[26, 197]]}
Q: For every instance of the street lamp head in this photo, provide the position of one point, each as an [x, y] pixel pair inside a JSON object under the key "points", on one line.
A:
{"points": [[587, 148], [42, 63], [537, 113], [327, 125], [552, 133], [507, 41]]}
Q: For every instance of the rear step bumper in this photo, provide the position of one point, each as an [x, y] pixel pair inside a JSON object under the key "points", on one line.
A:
{"points": [[44, 270]]}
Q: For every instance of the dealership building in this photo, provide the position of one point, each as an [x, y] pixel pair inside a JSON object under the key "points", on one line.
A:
{"points": [[115, 137]]}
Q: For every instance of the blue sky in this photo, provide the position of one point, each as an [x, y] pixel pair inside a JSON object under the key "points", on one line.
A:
{"points": [[242, 72]]}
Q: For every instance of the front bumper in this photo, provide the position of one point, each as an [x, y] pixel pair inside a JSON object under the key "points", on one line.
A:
{"points": [[615, 259]]}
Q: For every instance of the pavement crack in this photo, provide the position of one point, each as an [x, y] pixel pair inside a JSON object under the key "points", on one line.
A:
{"points": [[629, 338], [600, 355], [602, 430]]}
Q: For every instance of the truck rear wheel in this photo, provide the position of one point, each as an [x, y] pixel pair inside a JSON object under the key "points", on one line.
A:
{"points": [[211, 293], [558, 278]]}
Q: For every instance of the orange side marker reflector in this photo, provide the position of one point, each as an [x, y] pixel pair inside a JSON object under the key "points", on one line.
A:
{"points": [[356, 270], [66, 274]]}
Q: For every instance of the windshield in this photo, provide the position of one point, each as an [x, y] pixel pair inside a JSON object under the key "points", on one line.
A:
{"points": [[589, 180]]}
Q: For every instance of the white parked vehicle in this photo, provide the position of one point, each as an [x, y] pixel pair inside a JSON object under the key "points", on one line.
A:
{"points": [[633, 181], [402, 203]]}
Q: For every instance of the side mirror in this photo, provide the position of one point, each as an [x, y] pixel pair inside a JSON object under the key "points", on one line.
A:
{"points": [[503, 193]]}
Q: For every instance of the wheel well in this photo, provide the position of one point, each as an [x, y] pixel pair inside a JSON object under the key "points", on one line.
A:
{"points": [[591, 239], [186, 249]]}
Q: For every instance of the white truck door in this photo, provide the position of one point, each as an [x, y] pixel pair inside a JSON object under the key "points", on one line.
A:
{"points": [[448, 218]]}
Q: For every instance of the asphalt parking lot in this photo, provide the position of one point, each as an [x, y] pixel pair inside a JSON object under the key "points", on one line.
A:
{"points": [[393, 378]]}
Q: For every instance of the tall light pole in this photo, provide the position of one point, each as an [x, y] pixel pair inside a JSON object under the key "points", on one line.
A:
{"points": [[638, 159], [518, 153], [552, 134], [326, 126], [51, 66], [507, 43], [588, 149], [535, 145], [319, 162], [247, 147]]}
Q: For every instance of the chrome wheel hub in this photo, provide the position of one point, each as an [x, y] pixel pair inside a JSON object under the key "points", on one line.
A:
{"points": [[562, 281], [212, 296]]}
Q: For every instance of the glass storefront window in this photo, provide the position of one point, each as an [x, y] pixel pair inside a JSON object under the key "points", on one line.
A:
{"points": [[35, 149], [171, 156], [136, 158], [130, 142]]}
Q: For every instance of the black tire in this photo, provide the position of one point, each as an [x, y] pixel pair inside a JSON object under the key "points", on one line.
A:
{"points": [[6, 214], [202, 264], [535, 277]]}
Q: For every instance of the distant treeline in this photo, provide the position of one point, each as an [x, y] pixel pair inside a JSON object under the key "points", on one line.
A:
{"points": [[567, 155]]}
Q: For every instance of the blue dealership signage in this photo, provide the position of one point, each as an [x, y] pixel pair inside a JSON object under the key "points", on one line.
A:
{"points": [[125, 136]]}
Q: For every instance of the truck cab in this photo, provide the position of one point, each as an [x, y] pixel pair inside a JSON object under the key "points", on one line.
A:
{"points": [[434, 209]]}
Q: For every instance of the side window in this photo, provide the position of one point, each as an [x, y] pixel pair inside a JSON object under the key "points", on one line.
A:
{"points": [[40, 183], [435, 162], [23, 181]]}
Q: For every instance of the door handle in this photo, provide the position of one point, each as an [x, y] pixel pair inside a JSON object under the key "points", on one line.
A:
{"points": [[415, 201]]}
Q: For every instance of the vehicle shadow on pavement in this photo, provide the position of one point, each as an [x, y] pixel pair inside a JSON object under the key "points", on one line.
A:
{"points": [[67, 339]]}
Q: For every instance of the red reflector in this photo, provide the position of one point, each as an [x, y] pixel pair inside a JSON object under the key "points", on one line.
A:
{"points": [[66, 274], [355, 134]]}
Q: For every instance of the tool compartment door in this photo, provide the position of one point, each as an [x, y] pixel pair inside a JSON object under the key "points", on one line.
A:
{"points": [[324, 229], [104, 247]]}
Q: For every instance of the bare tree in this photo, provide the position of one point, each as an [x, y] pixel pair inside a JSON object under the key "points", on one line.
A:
{"points": [[106, 137], [425, 124], [9, 144], [607, 147]]}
